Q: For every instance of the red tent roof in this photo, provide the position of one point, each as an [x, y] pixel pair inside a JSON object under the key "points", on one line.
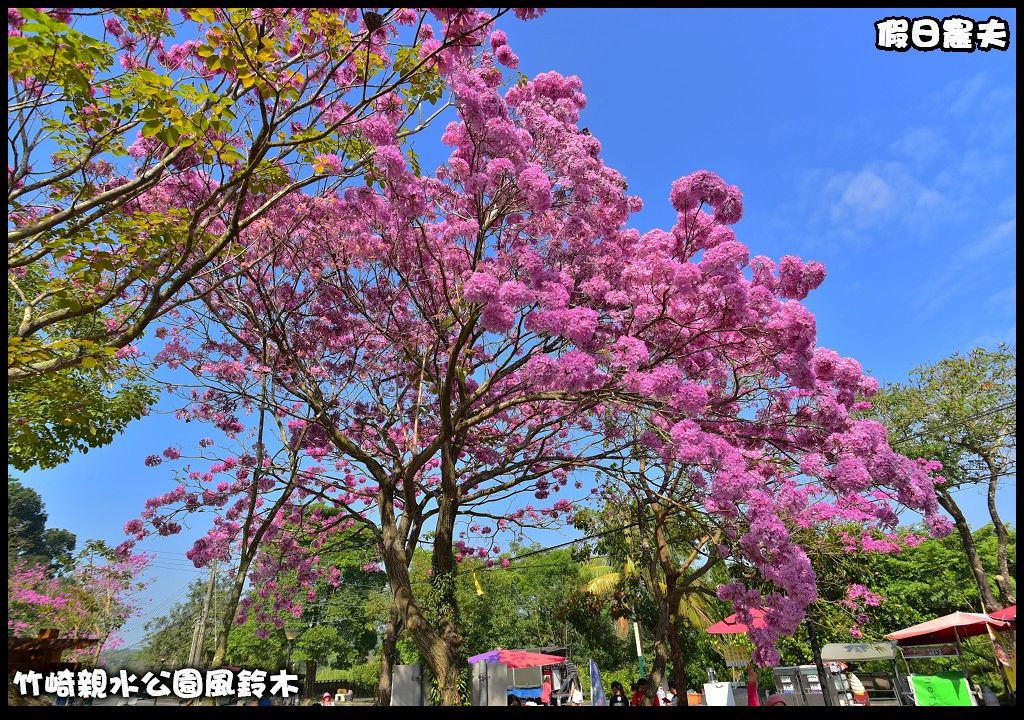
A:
{"points": [[517, 658], [1007, 613], [732, 625], [946, 629]]}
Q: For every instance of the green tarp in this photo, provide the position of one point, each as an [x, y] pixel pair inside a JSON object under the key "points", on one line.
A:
{"points": [[948, 688]]}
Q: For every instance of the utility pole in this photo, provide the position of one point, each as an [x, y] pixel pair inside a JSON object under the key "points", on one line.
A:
{"points": [[201, 631], [191, 662]]}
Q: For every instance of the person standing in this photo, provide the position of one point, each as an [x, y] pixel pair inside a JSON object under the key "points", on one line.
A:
{"points": [[672, 694], [752, 699], [618, 697], [638, 692], [545, 691]]}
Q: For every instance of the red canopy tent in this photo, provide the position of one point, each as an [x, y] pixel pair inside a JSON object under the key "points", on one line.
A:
{"points": [[732, 625], [1009, 614], [517, 658], [946, 629]]}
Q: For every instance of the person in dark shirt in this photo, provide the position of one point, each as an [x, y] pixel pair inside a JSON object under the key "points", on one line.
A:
{"points": [[618, 696]]}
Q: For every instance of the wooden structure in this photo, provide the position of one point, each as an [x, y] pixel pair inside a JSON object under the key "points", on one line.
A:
{"points": [[43, 654]]}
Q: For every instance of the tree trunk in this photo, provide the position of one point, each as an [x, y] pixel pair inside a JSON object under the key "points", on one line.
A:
{"points": [[661, 653], [447, 659], [431, 643], [670, 602], [988, 600], [823, 680], [227, 619], [447, 673], [678, 664], [307, 690], [1006, 595], [382, 698], [99, 649]]}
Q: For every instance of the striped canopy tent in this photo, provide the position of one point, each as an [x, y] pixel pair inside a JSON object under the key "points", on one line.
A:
{"points": [[517, 658]]}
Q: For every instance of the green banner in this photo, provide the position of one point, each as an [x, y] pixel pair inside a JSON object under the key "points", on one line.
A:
{"points": [[942, 689]]}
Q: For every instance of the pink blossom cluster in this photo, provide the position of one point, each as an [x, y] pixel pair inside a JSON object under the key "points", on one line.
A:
{"points": [[91, 600], [858, 600]]}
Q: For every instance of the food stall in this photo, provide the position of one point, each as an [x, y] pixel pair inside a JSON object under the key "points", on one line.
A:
{"points": [[500, 673], [736, 656], [882, 688], [943, 635]]}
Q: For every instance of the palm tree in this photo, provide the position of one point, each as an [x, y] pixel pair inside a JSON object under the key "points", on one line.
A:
{"points": [[605, 581]]}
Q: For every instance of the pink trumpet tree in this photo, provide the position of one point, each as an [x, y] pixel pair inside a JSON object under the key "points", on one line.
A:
{"points": [[93, 600], [435, 352]]}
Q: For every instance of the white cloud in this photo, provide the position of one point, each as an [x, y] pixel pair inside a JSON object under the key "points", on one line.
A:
{"points": [[1005, 299], [965, 267], [993, 240], [990, 340], [923, 180], [920, 144], [868, 192], [881, 194], [965, 95]]}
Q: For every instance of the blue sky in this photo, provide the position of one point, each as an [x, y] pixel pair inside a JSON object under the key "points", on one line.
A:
{"points": [[897, 170]]}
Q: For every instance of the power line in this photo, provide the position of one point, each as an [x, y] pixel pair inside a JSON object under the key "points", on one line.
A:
{"points": [[170, 567], [154, 611]]}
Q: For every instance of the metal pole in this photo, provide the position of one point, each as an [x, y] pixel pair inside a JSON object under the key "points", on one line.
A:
{"points": [[639, 651], [967, 673]]}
